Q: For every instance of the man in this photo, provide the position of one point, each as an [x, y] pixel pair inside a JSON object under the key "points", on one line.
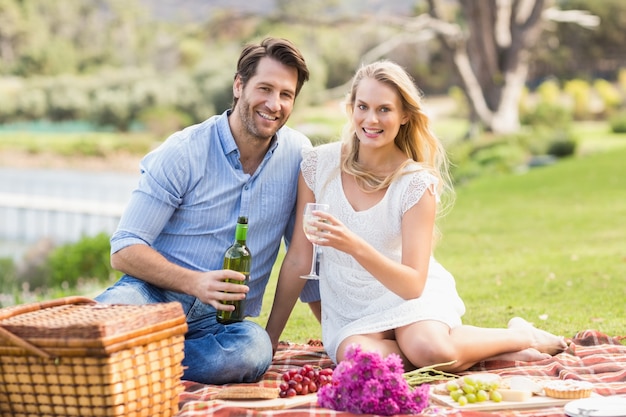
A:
{"points": [[181, 219]]}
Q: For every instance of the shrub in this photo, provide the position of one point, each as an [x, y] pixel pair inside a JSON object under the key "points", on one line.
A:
{"points": [[562, 145], [609, 94], [32, 104], [546, 114], [501, 157], [112, 107], [460, 101], [618, 122], [7, 274], [163, 121], [549, 92], [580, 91], [85, 260]]}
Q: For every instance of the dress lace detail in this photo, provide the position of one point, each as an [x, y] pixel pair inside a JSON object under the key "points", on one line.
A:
{"points": [[353, 301]]}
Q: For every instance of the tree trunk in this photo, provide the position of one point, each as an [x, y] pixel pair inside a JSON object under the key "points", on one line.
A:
{"points": [[491, 57]]}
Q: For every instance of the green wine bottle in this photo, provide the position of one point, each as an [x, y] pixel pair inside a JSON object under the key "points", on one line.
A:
{"points": [[237, 258]]}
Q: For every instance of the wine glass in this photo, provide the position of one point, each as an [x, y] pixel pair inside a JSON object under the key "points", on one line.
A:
{"points": [[306, 224]]}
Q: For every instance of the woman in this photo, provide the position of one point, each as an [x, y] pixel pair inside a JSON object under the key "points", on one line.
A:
{"points": [[380, 285]]}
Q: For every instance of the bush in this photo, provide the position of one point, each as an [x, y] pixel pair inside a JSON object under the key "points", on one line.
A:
{"points": [[163, 121], [112, 107], [580, 92], [501, 157], [562, 145], [545, 114], [88, 259], [7, 274], [609, 94], [618, 122], [549, 92]]}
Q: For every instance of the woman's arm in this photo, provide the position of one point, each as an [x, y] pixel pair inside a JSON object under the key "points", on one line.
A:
{"points": [[297, 262]]}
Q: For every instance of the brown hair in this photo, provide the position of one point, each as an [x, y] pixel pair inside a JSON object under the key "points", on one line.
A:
{"points": [[279, 49]]}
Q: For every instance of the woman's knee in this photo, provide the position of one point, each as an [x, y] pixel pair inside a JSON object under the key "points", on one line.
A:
{"points": [[429, 351]]}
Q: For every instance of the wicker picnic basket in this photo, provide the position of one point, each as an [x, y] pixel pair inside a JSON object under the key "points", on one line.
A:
{"points": [[74, 357]]}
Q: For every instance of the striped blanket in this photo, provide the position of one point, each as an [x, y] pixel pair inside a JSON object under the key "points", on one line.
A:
{"points": [[592, 356]]}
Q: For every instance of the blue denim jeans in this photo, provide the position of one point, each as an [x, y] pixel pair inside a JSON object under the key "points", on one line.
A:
{"points": [[214, 353]]}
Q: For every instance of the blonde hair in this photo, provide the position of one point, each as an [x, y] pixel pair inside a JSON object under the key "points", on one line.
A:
{"points": [[415, 138]]}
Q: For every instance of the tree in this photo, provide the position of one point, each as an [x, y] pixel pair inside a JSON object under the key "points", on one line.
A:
{"points": [[489, 43]]}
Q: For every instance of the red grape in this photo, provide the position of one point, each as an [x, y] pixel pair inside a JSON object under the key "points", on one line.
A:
{"points": [[304, 380]]}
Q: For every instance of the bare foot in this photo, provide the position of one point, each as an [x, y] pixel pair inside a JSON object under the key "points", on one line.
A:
{"points": [[542, 341], [526, 355]]}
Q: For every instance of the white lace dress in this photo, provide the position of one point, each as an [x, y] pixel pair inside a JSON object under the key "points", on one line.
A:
{"points": [[353, 301]]}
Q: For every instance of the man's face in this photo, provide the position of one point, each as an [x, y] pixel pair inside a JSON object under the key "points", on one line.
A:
{"points": [[266, 101]]}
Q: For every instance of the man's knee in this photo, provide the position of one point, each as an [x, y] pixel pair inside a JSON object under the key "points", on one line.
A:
{"points": [[241, 354]]}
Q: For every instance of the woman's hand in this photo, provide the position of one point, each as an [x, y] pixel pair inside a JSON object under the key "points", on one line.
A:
{"points": [[333, 233]]}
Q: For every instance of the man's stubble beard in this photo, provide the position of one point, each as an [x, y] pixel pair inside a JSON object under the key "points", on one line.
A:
{"points": [[247, 116]]}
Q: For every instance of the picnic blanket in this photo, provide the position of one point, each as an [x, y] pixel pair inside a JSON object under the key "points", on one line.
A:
{"points": [[592, 356]]}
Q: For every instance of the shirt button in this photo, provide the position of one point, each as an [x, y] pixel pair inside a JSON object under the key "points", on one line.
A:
{"points": [[245, 188]]}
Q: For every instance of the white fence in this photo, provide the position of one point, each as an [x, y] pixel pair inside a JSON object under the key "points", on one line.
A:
{"points": [[28, 218], [60, 205]]}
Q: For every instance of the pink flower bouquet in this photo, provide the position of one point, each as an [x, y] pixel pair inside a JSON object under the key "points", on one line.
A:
{"points": [[365, 383]]}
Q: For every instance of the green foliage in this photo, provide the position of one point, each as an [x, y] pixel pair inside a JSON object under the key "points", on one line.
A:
{"points": [[621, 80], [74, 268], [460, 101], [618, 122], [88, 259], [163, 121], [32, 104], [549, 92], [98, 144], [609, 94], [580, 92], [112, 108], [499, 157], [7, 275], [562, 144], [546, 114]]}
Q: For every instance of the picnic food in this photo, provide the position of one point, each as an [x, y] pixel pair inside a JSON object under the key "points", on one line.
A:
{"points": [[246, 393], [304, 380], [522, 383], [568, 389], [515, 394], [475, 389]]}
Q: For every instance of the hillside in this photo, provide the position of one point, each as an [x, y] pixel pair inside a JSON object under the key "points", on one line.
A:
{"points": [[198, 10]]}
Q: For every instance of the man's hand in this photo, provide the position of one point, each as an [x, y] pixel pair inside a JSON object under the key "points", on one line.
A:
{"points": [[212, 288]]}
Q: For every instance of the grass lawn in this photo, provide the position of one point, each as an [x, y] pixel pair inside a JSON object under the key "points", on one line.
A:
{"points": [[548, 245]]}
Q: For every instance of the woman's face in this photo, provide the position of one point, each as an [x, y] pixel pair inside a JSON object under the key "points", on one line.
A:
{"points": [[377, 113]]}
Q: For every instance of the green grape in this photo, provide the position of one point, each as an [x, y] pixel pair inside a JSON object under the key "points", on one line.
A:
{"points": [[469, 380], [471, 398], [456, 394], [452, 386], [462, 400], [481, 395], [493, 386], [468, 389], [495, 396]]}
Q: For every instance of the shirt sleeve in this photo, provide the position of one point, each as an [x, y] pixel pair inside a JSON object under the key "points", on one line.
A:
{"points": [[160, 191]]}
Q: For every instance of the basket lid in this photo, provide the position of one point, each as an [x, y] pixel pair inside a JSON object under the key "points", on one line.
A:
{"points": [[81, 322]]}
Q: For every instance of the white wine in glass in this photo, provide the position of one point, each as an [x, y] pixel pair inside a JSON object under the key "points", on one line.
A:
{"points": [[306, 224]]}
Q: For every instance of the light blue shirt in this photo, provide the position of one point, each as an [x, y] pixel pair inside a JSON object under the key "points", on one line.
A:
{"points": [[193, 188]]}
